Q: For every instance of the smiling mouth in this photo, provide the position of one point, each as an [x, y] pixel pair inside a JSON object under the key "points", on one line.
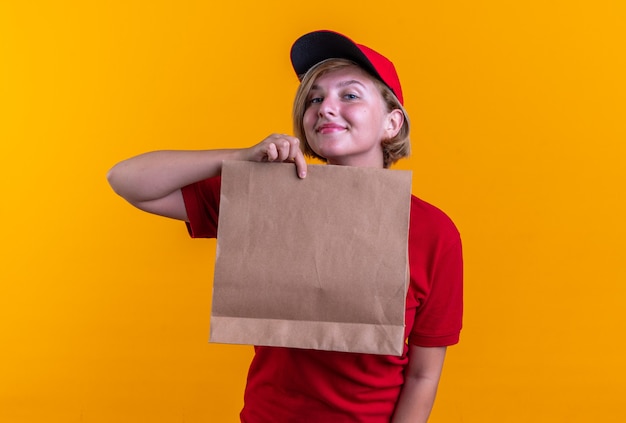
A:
{"points": [[329, 129]]}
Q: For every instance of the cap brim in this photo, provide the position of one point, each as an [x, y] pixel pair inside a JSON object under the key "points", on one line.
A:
{"points": [[315, 47]]}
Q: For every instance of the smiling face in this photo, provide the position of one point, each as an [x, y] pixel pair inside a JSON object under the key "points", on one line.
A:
{"points": [[346, 119]]}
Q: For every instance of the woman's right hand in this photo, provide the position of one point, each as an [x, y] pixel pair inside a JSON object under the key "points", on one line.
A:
{"points": [[279, 148]]}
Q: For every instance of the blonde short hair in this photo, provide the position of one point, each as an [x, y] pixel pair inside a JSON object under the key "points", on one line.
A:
{"points": [[393, 149]]}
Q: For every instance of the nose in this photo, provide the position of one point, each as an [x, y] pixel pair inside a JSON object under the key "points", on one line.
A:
{"points": [[328, 107]]}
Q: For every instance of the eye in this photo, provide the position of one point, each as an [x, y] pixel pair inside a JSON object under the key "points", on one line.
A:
{"points": [[315, 100], [350, 96]]}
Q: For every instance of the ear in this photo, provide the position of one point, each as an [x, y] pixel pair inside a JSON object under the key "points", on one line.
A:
{"points": [[394, 122]]}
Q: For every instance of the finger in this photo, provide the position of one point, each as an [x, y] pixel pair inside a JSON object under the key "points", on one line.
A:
{"points": [[271, 152], [294, 148], [284, 149], [300, 164]]}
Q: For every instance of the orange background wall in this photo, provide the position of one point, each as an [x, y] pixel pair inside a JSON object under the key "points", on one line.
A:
{"points": [[519, 131]]}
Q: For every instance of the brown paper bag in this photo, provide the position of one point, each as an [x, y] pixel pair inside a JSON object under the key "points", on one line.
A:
{"points": [[318, 263]]}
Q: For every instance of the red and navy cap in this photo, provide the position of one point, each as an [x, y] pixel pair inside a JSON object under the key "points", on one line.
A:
{"points": [[315, 47]]}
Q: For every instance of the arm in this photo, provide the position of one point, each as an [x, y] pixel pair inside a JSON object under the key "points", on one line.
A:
{"points": [[420, 384], [152, 181]]}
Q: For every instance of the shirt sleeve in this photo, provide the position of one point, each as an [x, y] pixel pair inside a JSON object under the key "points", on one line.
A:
{"points": [[202, 202], [438, 319], [435, 297]]}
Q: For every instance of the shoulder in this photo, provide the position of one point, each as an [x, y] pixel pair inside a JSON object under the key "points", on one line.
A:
{"points": [[430, 221]]}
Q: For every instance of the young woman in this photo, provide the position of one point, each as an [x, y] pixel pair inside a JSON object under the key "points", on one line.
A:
{"points": [[347, 111]]}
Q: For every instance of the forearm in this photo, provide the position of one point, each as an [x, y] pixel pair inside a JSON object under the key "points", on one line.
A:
{"points": [[420, 384], [154, 175], [416, 400], [152, 181]]}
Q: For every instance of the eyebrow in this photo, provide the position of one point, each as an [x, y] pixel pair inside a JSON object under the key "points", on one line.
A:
{"points": [[342, 84]]}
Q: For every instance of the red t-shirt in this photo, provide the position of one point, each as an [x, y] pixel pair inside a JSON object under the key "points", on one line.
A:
{"points": [[297, 385]]}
